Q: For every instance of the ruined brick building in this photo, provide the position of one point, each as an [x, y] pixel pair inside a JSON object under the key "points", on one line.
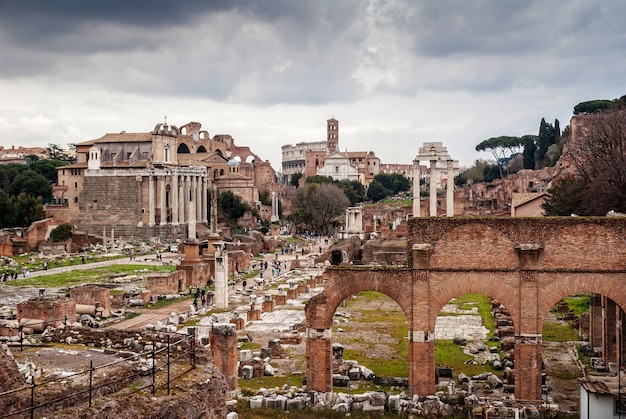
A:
{"points": [[154, 184]]}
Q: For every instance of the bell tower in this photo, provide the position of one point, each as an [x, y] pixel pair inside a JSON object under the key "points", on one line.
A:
{"points": [[332, 135]]}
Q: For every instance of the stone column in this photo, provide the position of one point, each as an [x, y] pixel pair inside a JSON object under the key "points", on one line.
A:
{"points": [[319, 374], [181, 200], [528, 340], [450, 190], [221, 275], [528, 349], [151, 209], [595, 320], [213, 209], [197, 185], [204, 210], [422, 362], [421, 333], [433, 188], [416, 188], [174, 199], [163, 204], [225, 353], [191, 207], [609, 350]]}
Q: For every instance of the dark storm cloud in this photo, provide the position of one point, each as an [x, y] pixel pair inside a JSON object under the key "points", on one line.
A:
{"points": [[261, 51]]}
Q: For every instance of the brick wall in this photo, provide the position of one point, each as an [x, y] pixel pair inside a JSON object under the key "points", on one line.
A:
{"points": [[92, 295]]}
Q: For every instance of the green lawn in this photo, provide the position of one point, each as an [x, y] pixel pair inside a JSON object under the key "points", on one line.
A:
{"points": [[89, 275]]}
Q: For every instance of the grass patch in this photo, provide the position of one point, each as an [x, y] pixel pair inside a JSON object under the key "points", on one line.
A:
{"points": [[449, 355], [79, 276], [578, 303], [250, 346], [557, 332], [165, 303], [255, 384], [395, 365]]}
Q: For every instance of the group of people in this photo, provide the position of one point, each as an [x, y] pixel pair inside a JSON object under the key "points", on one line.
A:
{"points": [[200, 297], [8, 276]]}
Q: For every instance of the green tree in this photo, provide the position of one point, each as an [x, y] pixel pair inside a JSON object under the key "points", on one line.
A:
{"points": [[56, 152], [7, 210], [231, 207], [354, 190], [394, 182], [377, 191], [32, 183], [317, 205], [8, 172], [47, 168], [500, 147], [491, 172], [265, 197], [566, 197], [548, 135], [295, 179], [319, 179], [598, 157], [530, 148], [592, 106], [61, 233], [27, 209]]}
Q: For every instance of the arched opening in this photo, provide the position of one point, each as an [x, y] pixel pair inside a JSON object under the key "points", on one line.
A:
{"points": [[474, 342], [182, 148], [370, 344], [583, 350], [201, 149], [250, 159]]}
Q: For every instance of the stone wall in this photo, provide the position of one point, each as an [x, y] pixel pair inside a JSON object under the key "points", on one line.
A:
{"points": [[47, 307], [117, 202], [385, 252], [89, 294], [163, 284]]}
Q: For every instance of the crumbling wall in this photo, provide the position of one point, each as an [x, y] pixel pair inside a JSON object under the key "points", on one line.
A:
{"points": [[385, 252], [90, 294]]}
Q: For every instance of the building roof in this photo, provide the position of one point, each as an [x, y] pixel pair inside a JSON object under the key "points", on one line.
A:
{"points": [[518, 199], [605, 384], [122, 137]]}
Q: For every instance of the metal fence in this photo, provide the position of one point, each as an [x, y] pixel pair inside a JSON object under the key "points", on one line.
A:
{"points": [[160, 372]]}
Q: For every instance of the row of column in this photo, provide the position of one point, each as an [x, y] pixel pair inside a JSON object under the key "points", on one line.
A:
{"points": [[433, 188], [187, 200]]}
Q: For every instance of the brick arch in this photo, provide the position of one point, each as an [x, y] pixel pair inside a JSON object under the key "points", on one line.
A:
{"points": [[558, 287], [341, 284], [449, 285], [528, 264], [491, 248]]}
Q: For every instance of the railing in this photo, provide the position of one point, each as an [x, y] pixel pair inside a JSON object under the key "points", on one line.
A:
{"points": [[87, 395]]}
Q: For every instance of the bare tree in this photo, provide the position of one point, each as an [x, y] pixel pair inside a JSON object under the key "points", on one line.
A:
{"points": [[317, 206], [597, 151]]}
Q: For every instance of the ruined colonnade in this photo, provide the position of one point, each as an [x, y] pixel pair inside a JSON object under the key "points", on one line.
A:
{"points": [[177, 196], [528, 264]]}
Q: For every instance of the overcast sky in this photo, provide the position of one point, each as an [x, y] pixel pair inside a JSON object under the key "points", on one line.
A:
{"points": [[271, 72]]}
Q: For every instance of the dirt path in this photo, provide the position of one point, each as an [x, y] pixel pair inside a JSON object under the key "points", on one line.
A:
{"points": [[150, 316]]}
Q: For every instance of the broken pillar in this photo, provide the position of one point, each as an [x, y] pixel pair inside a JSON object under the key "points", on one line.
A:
{"points": [[268, 304], [225, 352], [237, 321], [254, 313]]}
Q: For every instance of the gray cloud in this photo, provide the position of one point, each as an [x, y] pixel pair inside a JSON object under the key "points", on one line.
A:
{"points": [[242, 60]]}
